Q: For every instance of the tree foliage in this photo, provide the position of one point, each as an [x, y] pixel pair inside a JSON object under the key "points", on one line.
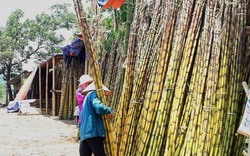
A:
{"points": [[115, 24], [22, 39]]}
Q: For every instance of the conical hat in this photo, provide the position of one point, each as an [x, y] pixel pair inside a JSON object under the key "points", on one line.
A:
{"points": [[91, 87], [85, 79]]}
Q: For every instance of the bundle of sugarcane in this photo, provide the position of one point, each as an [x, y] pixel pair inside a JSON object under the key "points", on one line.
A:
{"points": [[187, 57], [126, 89], [110, 71], [71, 74], [64, 92], [141, 82], [241, 67], [146, 143], [71, 92], [110, 146], [197, 135], [220, 102], [140, 65]]}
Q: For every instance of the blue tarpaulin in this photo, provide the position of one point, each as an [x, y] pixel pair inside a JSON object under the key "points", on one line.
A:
{"points": [[75, 50], [13, 106]]}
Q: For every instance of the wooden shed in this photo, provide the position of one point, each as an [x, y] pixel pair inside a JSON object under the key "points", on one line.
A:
{"points": [[44, 85], [49, 84]]}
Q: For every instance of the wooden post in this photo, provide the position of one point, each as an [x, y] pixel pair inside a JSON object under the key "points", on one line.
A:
{"points": [[40, 88], [246, 88], [47, 83], [53, 87]]}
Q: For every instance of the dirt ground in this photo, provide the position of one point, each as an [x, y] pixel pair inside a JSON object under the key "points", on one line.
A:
{"points": [[36, 135]]}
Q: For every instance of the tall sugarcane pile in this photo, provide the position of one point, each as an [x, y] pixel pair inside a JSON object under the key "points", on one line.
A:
{"points": [[182, 87], [184, 98]]}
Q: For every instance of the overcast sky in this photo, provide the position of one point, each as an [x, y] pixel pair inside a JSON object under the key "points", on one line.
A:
{"points": [[31, 8]]}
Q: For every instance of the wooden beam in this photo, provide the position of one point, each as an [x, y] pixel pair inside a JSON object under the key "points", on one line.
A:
{"points": [[53, 88], [40, 88], [47, 88]]}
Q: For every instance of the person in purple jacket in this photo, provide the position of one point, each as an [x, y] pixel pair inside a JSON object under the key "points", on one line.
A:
{"points": [[85, 80]]}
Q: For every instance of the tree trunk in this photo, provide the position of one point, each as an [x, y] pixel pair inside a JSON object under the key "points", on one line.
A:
{"points": [[8, 87], [10, 93]]}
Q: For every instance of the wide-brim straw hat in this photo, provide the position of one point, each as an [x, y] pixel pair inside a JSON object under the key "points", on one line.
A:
{"points": [[114, 3], [91, 87], [85, 79]]}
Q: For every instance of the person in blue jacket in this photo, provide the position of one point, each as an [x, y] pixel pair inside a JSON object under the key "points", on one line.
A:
{"points": [[92, 131]]}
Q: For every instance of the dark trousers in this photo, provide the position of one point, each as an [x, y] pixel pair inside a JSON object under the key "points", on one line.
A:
{"points": [[92, 145]]}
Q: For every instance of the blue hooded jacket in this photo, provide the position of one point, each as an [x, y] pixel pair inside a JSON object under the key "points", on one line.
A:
{"points": [[91, 114]]}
